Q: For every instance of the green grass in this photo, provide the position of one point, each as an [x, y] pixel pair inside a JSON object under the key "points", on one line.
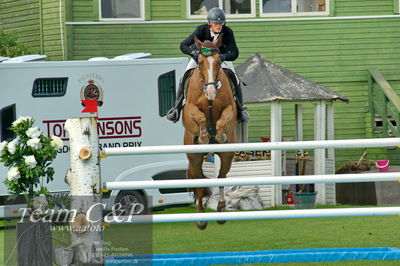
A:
{"points": [[1, 246], [374, 231], [346, 232]]}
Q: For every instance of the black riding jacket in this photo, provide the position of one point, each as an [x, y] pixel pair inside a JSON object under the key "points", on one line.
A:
{"points": [[228, 49]]}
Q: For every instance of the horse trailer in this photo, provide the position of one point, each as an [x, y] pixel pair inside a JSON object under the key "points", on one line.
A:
{"points": [[133, 99]]}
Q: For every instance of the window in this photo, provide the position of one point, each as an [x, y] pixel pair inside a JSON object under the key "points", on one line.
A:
{"points": [[49, 87], [7, 117], [293, 7], [166, 92], [232, 8], [171, 175], [122, 9]]}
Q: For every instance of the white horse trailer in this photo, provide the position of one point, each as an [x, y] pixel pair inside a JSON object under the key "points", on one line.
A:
{"points": [[133, 97]]}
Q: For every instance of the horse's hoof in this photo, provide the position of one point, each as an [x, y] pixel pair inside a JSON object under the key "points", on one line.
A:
{"points": [[221, 206], [201, 225], [221, 222], [204, 140], [221, 138]]}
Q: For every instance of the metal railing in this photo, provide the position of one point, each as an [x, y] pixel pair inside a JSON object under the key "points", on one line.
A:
{"points": [[383, 102]]}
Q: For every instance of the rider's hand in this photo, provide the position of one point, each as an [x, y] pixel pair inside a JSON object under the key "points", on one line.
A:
{"points": [[195, 55], [222, 57]]}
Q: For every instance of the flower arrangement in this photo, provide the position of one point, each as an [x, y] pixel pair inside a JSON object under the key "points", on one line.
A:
{"points": [[28, 157]]}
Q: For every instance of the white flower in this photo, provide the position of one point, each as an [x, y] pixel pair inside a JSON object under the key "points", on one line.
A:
{"points": [[33, 132], [56, 142], [34, 143], [30, 161], [12, 146], [13, 174], [3, 146], [21, 119]]}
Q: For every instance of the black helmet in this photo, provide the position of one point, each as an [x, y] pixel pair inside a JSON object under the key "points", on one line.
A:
{"points": [[216, 15]]}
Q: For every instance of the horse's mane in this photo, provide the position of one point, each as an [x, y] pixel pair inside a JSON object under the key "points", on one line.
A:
{"points": [[209, 44]]}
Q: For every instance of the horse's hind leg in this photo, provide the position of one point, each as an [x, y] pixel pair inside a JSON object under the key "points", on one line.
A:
{"points": [[226, 162]]}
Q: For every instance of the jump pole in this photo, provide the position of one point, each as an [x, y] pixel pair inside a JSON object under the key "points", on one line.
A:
{"points": [[253, 181], [256, 146], [257, 215]]}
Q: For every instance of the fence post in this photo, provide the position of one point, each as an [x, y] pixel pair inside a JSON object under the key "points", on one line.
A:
{"points": [[85, 191]]}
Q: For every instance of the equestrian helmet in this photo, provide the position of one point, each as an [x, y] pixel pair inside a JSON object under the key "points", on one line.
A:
{"points": [[216, 15]]}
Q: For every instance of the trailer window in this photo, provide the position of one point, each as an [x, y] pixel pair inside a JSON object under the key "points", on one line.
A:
{"points": [[171, 175], [166, 92], [7, 116], [49, 87]]}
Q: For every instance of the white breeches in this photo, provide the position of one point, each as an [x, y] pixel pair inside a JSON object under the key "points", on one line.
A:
{"points": [[225, 64]]}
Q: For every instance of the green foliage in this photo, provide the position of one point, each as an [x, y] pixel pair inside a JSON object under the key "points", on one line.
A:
{"points": [[10, 47], [28, 157]]}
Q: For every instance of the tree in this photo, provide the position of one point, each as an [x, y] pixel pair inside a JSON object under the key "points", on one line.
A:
{"points": [[10, 47]]}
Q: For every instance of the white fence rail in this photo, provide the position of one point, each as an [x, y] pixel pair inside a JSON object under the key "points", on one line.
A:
{"points": [[258, 215], [252, 181], [257, 146]]}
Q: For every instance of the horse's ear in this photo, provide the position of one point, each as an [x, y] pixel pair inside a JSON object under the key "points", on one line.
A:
{"points": [[217, 43], [197, 42]]}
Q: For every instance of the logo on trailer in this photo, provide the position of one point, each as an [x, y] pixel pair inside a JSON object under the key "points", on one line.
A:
{"points": [[92, 91]]}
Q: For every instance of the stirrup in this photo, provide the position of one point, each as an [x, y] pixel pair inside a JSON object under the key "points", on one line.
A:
{"points": [[173, 115], [243, 115]]}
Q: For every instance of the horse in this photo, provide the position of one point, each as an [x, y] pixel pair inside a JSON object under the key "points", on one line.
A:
{"points": [[209, 116]]}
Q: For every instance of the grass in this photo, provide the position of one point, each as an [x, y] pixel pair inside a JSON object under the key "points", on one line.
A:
{"points": [[373, 231], [1, 245]]}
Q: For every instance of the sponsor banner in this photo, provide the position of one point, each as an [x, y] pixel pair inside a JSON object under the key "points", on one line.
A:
{"points": [[107, 128]]}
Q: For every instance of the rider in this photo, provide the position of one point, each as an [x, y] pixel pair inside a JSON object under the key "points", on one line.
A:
{"points": [[229, 52]]}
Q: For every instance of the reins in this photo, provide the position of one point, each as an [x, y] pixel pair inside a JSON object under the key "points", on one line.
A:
{"points": [[211, 127]]}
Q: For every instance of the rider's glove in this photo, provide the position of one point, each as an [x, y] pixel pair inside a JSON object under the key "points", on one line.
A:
{"points": [[195, 55], [222, 57]]}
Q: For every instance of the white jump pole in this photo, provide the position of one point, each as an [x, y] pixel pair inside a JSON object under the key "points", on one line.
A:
{"points": [[256, 146], [252, 181], [257, 215]]}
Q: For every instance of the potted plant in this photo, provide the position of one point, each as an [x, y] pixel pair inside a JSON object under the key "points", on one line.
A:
{"points": [[28, 157]]}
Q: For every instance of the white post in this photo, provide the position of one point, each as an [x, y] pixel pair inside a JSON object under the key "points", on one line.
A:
{"points": [[330, 130], [299, 121], [331, 187], [276, 155], [85, 190], [319, 154]]}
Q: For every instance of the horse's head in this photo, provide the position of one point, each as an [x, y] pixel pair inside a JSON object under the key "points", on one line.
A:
{"points": [[209, 66]]}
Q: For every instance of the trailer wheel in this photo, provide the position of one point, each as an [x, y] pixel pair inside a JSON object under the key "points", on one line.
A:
{"points": [[132, 202]]}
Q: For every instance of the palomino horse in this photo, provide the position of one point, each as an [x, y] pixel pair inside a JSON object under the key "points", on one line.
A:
{"points": [[209, 116]]}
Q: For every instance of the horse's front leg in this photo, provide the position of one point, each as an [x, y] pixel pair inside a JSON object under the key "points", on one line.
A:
{"points": [[195, 172], [226, 117], [200, 120], [226, 163]]}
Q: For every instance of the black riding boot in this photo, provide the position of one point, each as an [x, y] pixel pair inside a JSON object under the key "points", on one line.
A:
{"points": [[175, 112], [243, 116]]}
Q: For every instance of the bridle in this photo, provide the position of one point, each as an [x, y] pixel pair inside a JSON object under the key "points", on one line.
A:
{"points": [[217, 83]]}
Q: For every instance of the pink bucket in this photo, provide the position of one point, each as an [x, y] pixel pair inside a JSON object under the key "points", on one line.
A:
{"points": [[383, 165]]}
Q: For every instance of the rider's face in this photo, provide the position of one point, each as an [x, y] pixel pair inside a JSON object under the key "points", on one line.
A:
{"points": [[215, 27]]}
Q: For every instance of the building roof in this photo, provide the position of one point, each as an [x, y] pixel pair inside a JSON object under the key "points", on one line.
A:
{"points": [[268, 82]]}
